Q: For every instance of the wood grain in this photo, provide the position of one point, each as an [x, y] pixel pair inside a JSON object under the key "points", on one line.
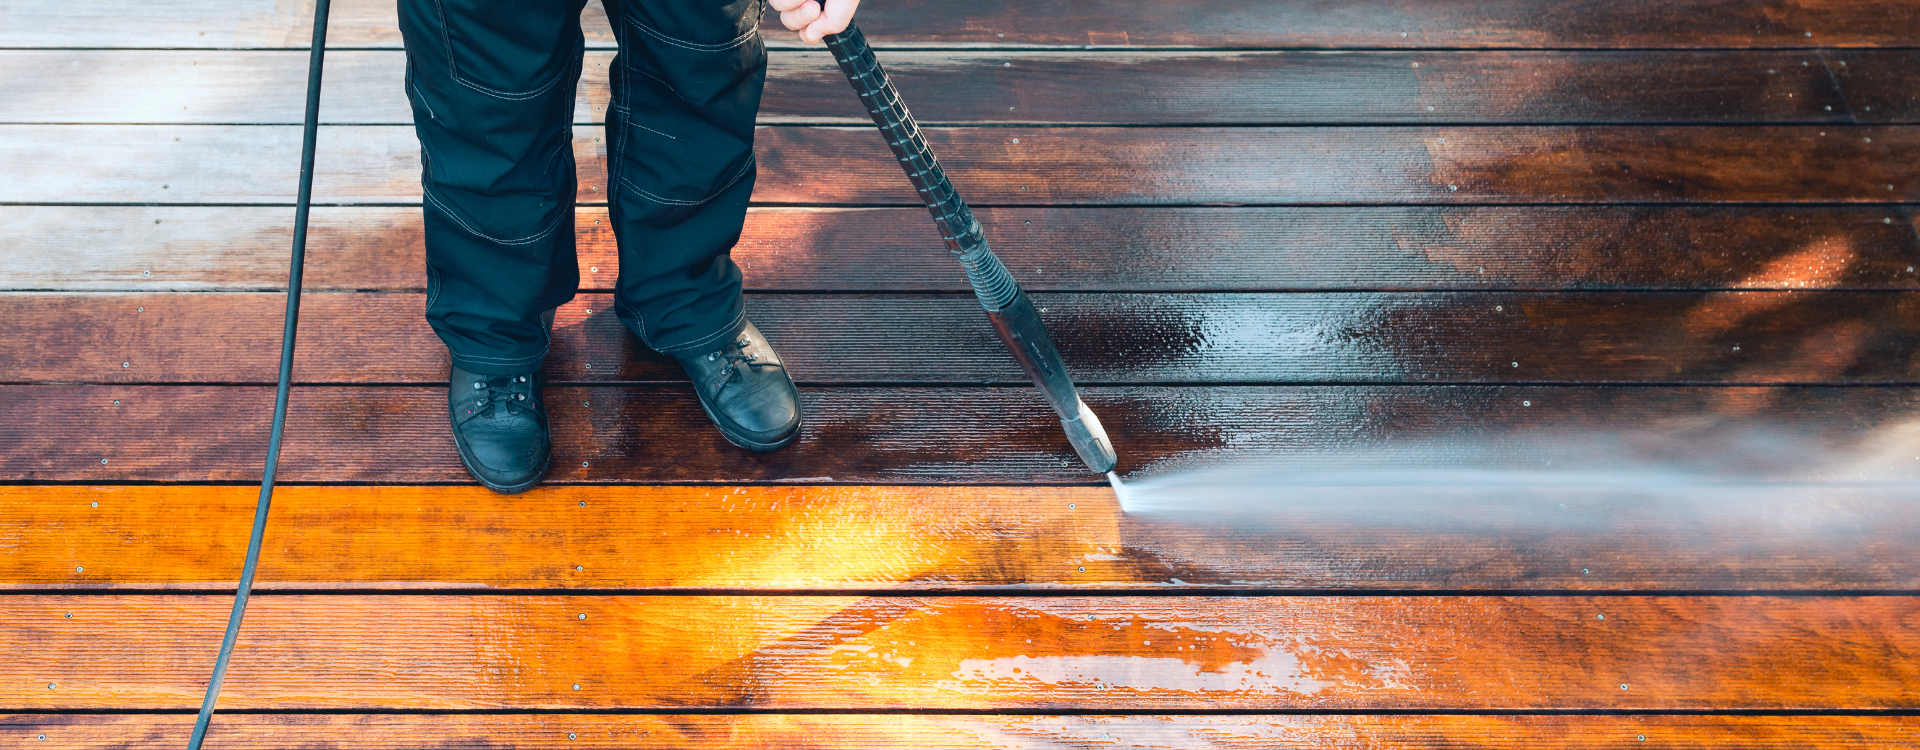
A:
{"points": [[921, 732], [1130, 166], [158, 248], [1207, 23], [962, 539], [1089, 654], [1090, 87], [651, 434], [1620, 337]]}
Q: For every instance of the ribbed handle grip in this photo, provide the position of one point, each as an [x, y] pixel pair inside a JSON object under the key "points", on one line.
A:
{"points": [[1014, 318], [991, 282]]}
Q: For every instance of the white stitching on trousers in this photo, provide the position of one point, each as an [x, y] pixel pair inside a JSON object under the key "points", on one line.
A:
{"points": [[427, 161], [709, 338], [695, 46], [715, 194]]}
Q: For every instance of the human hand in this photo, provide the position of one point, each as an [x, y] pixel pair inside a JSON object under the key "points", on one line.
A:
{"points": [[813, 22]]}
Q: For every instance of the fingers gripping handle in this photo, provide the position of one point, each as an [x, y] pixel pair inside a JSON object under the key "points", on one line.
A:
{"points": [[1013, 316]]}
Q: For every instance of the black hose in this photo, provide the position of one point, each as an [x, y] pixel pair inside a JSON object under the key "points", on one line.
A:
{"points": [[1012, 314], [288, 333]]}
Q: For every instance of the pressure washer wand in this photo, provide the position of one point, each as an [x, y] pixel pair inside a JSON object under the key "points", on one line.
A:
{"points": [[288, 332], [1007, 306]]}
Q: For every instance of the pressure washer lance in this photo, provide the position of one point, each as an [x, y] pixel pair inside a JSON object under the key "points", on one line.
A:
{"points": [[1007, 306], [288, 332]]}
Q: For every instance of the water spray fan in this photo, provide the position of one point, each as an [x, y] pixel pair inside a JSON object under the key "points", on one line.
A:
{"points": [[1012, 314]]}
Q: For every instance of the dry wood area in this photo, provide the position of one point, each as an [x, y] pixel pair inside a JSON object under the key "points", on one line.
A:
{"points": [[1535, 238]]}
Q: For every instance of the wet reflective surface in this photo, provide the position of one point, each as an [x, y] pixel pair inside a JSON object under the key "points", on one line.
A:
{"points": [[1194, 652]]}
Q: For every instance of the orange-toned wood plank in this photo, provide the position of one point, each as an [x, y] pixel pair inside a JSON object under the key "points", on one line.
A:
{"points": [[919, 732], [939, 538], [1208, 23], [364, 87], [203, 248], [1787, 336], [1034, 165], [1084, 654], [627, 434]]}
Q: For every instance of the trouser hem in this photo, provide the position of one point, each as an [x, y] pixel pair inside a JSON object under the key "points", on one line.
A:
{"points": [[498, 365], [706, 343]]}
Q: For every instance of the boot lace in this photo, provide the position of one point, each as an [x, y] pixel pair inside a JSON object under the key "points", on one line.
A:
{"points": [[733, 356], [513, 393]]}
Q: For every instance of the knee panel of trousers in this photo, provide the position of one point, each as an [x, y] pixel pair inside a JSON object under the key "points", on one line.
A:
{"points": [[499, 200], [672, 157], [707, 55], [508, 55]]}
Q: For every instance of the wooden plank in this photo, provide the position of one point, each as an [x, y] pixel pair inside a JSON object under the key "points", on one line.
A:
{"points": [[1398, 337], [1018, 165], [153, 248], [391, 435], [1206, 23], [1879, 87], [1128, 88], [1079, 654], [922, 732], [958, 539]]}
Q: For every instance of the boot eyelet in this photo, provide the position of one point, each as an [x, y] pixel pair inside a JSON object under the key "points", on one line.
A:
{"points": [[519, 397], [479, 384]]}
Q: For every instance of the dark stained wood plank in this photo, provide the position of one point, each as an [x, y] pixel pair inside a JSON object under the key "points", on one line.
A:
{"points": [[1051, 249], [923, 732], [1127, 88], [1207, 23], [77, 433], [1879, 86], [1134, 166], [958, 539], [1401, 337], [1083, 654]]}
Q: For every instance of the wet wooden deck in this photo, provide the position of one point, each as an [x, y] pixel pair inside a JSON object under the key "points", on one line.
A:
{"points": [[1260, 229]]}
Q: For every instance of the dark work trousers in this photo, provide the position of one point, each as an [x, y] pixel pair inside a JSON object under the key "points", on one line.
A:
{"points": [[492, 86]]}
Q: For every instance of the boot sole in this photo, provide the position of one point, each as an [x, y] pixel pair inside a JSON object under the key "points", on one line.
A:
{"points": [[738, 441], [504, 489]]}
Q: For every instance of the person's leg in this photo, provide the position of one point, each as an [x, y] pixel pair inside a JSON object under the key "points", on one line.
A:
{"points": [[492, 88], [686, 90]]}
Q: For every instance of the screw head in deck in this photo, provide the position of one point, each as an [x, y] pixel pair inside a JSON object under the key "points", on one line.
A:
{"points": [[1623, 686], [1083, 568], [583, 615], [569, 735], [96, 504], [579, 568], [576, 686]]}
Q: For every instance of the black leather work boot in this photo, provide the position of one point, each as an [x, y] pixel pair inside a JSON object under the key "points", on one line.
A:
{"points": [[500, 426], [747, 392]]}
